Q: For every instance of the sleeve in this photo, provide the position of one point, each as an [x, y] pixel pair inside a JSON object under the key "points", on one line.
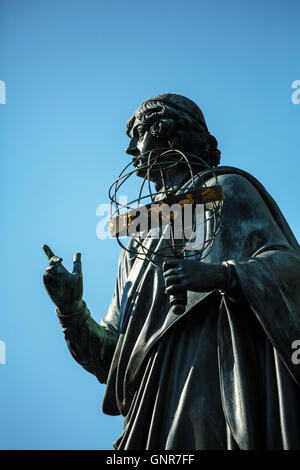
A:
{"points": [[92, 344], [266, 264]]}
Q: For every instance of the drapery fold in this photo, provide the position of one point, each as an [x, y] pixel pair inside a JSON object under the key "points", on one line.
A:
{"points": [[221, 375]]}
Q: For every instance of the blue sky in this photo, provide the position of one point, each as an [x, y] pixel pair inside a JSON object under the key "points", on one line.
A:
{"points": [[74, 72]]}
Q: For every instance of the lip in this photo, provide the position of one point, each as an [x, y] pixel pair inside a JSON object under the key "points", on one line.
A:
{"points": [[142, 162], [137, 162]]}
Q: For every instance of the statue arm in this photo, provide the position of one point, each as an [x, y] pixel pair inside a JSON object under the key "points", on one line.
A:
{"points": [[91, 344]]}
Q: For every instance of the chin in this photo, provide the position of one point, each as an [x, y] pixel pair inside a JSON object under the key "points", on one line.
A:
{"points": [[154, 174], [142, 173]]}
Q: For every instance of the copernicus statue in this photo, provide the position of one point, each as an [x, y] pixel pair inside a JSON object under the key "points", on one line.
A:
{"points": [[221, 375]]}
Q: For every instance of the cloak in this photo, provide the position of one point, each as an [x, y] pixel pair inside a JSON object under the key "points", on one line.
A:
{"points": [[221, 375]]}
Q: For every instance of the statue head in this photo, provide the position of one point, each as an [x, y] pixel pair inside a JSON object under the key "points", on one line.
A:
{"points": [[170, 121]]}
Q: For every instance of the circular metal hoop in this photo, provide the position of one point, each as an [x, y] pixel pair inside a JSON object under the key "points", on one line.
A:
{"points": [[162, 160]]}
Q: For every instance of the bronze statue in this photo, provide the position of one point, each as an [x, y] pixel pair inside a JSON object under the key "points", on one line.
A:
{"points": [[221, 375]]}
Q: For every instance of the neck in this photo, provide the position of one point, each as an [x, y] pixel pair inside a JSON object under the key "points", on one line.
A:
{"points": [[171, 179]]}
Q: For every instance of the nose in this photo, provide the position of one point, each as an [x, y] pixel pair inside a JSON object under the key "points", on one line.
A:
{"points": [[132, 148]]}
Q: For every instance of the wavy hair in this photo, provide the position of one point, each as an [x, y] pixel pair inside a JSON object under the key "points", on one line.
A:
{"points": [[181, 131]]}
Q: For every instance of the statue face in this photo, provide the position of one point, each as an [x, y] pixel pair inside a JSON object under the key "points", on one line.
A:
{"points": [[141, 143]]}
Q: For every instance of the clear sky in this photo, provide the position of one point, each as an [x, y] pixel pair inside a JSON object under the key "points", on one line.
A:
{"points": [[74, 72]]}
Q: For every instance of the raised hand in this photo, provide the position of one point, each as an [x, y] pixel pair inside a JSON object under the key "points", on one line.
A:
{"points": [[64, 288]]}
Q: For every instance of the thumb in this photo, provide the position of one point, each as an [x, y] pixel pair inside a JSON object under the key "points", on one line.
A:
{"points": [[77, 264]]}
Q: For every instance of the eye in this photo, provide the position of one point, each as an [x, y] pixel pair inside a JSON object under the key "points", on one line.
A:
{"points": [[140, 131]]}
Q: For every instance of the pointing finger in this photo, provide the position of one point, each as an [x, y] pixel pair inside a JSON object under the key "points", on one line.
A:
{"points": [[48, 251], [77, 263]]}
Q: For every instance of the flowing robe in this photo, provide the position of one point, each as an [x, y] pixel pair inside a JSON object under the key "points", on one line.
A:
{"points": [[221, 375]]}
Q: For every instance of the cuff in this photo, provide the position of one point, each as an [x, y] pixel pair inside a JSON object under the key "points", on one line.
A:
{"points": [[74, 316], [231, 279]]}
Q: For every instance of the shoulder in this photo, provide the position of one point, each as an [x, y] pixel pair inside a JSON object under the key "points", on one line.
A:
{"points": [[238, 183], [244, 194], [235, 184], [235, 176]]}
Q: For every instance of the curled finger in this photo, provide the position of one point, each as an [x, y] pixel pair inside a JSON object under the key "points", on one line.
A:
{"points": [[54, 269], [169, 281], [55, 260], [170, 264], [173, 271], [174, 289], [49, 278]]}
